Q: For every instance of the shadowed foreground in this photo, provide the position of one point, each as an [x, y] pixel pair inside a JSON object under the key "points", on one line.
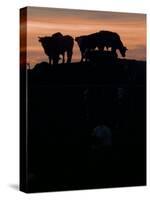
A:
{"points": [[68, 104]]}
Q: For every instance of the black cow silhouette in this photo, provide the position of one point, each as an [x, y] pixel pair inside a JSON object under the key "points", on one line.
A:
{"points": [[100, 40], [57, 45]]}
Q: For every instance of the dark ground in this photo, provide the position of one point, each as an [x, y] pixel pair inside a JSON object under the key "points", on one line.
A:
{"points": [[65, 103]]}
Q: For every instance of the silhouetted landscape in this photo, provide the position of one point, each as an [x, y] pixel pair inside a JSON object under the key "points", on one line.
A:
{"points": [[86, 124], [82, 100]]}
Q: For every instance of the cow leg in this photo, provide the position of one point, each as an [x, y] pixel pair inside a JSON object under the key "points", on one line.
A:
{"points": [[63, 57], [49, 58], [86, 54], [101, 48], [55, 59], [69, 56], [107, 48], [113, 50], [82, 56]]}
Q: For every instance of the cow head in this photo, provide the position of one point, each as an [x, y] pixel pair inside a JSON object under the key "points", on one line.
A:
{"points": [[40, 39], [123, 50], [44, 39], [46, 44]]}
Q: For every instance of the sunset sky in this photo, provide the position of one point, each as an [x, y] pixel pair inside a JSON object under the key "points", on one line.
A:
{"points": [[46, 21]]}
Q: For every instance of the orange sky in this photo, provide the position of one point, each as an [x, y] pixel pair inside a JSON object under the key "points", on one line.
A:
{"points": [[46, 21]]}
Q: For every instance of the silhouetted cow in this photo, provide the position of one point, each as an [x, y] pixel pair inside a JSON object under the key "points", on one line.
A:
{"points": [[100, 40], [57, 45]]}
